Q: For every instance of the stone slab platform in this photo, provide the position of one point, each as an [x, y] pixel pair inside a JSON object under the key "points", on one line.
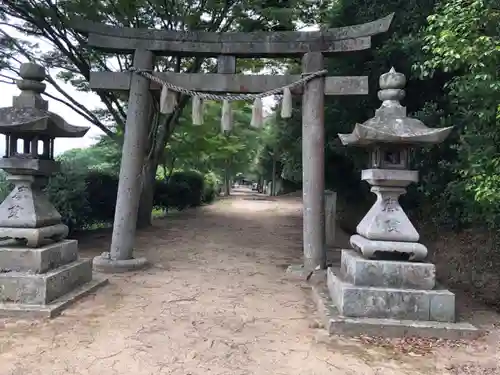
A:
{"points": [[53, 309], [360, 271], [40, 289], [20, 258], [390, 303], [392, 328]]}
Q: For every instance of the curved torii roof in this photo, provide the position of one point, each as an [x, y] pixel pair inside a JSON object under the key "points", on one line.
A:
{"points": [[258, 43]]}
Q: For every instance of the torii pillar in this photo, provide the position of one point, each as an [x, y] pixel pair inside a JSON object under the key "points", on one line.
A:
{"points": [[313, 164]]}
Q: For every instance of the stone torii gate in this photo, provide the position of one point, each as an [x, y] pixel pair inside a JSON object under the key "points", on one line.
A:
{"points": [[145, 44]]}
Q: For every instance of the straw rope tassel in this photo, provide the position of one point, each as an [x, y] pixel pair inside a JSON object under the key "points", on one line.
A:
{"points": [[197, 111], [168, 100], [286, 103], [257, 114], [227, 116]]}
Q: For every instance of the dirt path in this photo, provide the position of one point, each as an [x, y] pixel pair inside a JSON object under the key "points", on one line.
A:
{"points": [[215, 302]]}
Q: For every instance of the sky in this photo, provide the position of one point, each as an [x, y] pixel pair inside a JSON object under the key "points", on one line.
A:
{"points": [[90, 100]]}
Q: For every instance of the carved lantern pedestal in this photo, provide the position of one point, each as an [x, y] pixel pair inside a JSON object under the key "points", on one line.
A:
{"points": [[386, 232], [40, 271], [382, 286]]}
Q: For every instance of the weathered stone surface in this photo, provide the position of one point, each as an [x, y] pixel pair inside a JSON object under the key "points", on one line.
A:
{"points": [[386, 220], [337, 324], [35, 237], [22, 259], [105, 264], [15, 166], [313, 164], [132, 161], [225, 83], [442, 306], [385, 273], [330, 217], [54, 308], [41, 289], [29, 113], [260, 44], [390, 303], [347, 32], [35, 120], [32, 71], [369, 248], [389, 177], [27, 207], [36, 278], [390, 123], [243, 49]]}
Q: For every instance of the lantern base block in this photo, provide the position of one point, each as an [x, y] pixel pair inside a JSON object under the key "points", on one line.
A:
{"points": [[389, 250], [35, 237], [337, 324], [54, 308]]}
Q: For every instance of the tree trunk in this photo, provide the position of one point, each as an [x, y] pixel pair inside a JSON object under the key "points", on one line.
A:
{"points": [[160, 128], [227, 178], [227, 182], [273, 179], [147, 193], [160, 132]]}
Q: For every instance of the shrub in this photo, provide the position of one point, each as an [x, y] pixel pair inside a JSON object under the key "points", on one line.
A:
{"points": [[171, 195], [86, 197], [101, 191], [67, 192], [210, 190], [194, 182]]}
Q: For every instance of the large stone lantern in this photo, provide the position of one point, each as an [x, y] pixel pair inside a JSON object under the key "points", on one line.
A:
{"points": [[30, 129], [40, 271], [383, 287], [386, 232]]}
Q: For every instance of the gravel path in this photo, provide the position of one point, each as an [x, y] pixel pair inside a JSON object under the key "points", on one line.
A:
{"points": [[215, 302]]}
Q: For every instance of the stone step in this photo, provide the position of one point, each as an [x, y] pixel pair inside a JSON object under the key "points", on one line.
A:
{"points": [[390, 303], [336, 324], [19, 258], [360, 271], [41, 289]]}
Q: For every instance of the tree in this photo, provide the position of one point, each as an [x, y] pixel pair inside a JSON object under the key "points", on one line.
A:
{"points": [[206, 149], [49, 21], [463, 38]]}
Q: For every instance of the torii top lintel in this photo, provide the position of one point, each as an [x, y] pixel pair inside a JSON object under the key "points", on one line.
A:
{"points": [[252, 44]]}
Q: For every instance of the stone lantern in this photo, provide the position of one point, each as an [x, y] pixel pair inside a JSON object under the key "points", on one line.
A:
{"points": [[383, 287], [40, 271], [386, 232], [30, 129]]}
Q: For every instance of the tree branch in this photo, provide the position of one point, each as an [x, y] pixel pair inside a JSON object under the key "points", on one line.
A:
{"points": [[81, 113]]}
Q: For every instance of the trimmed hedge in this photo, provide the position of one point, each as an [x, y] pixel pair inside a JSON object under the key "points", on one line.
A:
{"points": [[86, 198], [185, 189]]}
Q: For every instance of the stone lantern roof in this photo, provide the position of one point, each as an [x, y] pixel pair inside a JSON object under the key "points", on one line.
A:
{"points": [[390, 124], [29, 113]]}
